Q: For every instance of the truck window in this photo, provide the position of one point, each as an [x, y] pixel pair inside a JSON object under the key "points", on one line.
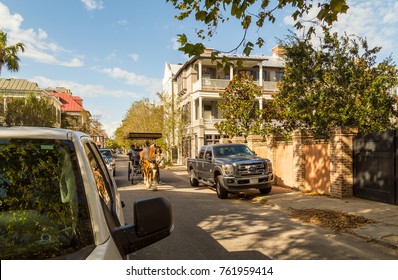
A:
{"points": [[43, 207], [202, 153], [209, 153], [103, 181]]}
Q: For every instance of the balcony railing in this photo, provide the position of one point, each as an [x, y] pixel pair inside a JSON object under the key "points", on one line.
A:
{"points": [[220, 84]]}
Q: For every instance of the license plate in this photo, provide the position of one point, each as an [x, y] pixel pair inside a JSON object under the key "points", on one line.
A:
{"points": [[253, 181]]}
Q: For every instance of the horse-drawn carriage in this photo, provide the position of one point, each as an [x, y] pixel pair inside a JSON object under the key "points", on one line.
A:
{"points": [[134, 166], [144, 162]]}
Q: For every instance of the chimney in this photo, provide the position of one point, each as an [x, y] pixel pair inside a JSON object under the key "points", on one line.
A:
{"points": [[278, 51], [208, 51]]}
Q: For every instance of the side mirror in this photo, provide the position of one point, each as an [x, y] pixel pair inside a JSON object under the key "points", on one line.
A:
{"points": [[152, 222]]}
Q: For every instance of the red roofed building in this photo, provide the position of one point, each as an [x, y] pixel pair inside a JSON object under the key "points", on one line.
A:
{"points": [[75, 117]]}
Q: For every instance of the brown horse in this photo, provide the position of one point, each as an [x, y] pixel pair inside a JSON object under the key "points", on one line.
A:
{"points": [[150, 158]]}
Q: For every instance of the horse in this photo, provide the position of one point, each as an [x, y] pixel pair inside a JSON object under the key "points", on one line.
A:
{"points": [[150, 158]]}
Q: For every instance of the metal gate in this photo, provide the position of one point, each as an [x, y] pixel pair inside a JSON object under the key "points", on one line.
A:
{"points": [[375, 167]]}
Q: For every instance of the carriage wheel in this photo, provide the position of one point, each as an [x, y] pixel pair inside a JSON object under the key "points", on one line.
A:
{"points": [[128, 172]]}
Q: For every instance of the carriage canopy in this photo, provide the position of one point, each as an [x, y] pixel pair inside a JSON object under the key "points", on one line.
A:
{"points": [[144, 135]]}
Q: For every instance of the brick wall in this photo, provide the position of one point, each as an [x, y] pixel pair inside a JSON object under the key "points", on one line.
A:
{"points": [[313, 166], [341, 170]]}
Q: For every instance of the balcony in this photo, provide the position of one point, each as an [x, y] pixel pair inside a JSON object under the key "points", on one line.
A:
{"points": [[221, 84], [206, 123]]}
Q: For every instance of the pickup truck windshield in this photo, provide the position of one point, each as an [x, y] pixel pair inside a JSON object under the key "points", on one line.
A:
{"points": [[43, 207], [232, 150]]}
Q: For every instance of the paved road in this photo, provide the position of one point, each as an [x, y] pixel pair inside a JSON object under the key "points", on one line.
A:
{"points": [[207, 228]]}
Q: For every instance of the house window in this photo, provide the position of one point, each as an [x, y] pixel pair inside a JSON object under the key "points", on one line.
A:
{"points": [[278, 75], [1, 107], [207, 111], [211, 139], [209, 72], [266, 75]]}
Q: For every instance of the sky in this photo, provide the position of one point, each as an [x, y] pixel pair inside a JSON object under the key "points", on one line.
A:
{"points": [[112, 53]]}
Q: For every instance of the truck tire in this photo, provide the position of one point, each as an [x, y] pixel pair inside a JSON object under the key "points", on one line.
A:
{"points": [[222, 192], [192, 179], [266, 190]]}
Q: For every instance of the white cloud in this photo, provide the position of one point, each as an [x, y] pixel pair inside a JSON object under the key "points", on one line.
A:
{"points": [[151, 84], [374, 20], [134, 56], [37, 45], [175, 44], [83, 90], [8, 21], [93, 4], [123, 22]]}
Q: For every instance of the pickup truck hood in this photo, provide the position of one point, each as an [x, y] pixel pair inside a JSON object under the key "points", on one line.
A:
{"points": [[239, 159]]}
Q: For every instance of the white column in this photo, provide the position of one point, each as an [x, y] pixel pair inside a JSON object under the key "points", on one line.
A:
{"points": [[200, 108], [193, 110], [260, 79], [200, 74], [231, 73]]}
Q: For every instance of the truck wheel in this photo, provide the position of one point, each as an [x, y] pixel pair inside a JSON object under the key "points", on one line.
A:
{"points": [[222, 193], [192, 179], [266, 190]]}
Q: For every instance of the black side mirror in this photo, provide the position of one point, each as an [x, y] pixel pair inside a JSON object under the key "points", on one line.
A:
{"points": [[153, 221]]}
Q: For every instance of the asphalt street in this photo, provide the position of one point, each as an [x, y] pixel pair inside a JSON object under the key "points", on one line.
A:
{"points": [[208, 228]]}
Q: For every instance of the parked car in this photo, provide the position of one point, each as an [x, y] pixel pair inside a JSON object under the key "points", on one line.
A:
{"points": [[108, 165], [230, 168], [57, 200], [111, 157]]}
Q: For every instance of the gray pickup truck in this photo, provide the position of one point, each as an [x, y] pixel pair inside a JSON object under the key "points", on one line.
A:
{"points": [[230, 168]]}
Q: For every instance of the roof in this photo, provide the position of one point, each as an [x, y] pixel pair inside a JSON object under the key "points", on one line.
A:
{"points": [[266, 60], [38, 133], [70, 103], [18, 85], [174, 68]]}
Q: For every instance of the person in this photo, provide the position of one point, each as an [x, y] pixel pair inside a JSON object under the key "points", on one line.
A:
{"points": [[131, 152]]}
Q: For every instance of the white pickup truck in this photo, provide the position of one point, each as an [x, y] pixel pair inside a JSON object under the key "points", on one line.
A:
{"points": [[59, 201]]}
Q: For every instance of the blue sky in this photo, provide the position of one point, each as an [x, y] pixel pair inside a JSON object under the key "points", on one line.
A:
{"points": [[112, 52]]}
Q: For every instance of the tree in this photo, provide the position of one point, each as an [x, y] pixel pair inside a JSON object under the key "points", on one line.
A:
{"points": [[29, 111], [172, 124], [8, 54], [336, 84], [74, 123], [212, 13], [240, 107], [143, 116]]}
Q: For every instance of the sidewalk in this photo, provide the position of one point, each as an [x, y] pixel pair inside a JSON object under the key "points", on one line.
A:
{"points": [[384, 230]]}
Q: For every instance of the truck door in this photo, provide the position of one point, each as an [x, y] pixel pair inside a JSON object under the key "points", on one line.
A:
{"points": [[200, 162], [208, 165]]}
